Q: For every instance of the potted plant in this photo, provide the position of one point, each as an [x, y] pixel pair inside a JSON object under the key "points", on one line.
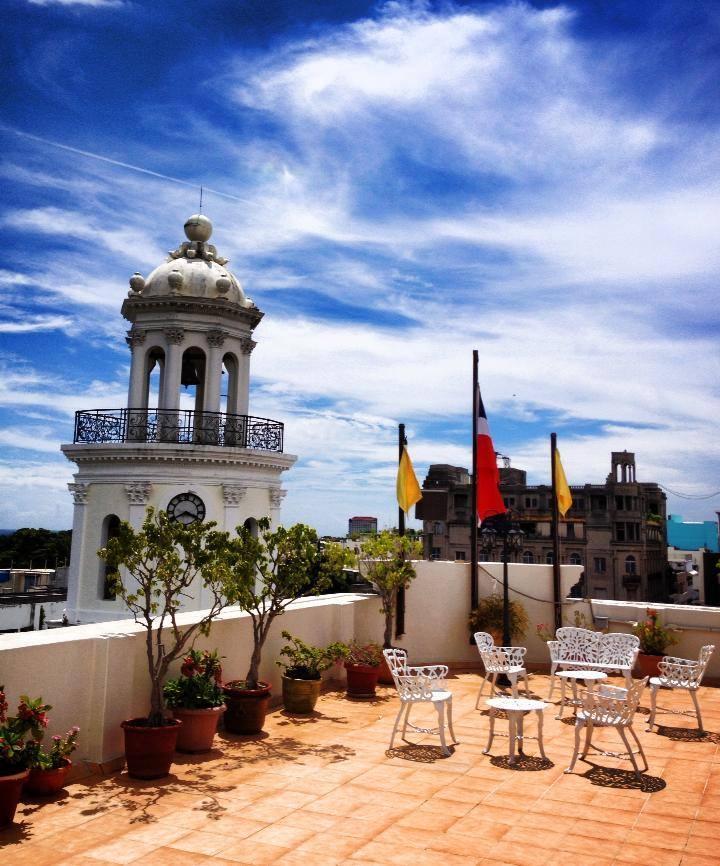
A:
{"points": [[17, 736], [488, 617], [49, 768], [362, 665], [196, 699], [654, 640], [302, 672], [267, 572], [385, 561], [164, 560]]}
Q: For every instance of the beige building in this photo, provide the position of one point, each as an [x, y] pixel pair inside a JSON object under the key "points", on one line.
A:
{"points": [[616, 530]]}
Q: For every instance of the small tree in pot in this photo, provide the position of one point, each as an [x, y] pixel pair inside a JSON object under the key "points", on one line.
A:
{"points": [[266, 574], [196, 699], [302, 672], [488, 617], [163, 560]]}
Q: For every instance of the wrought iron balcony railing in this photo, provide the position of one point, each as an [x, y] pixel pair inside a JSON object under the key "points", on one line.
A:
{"points": [[179, 426]]}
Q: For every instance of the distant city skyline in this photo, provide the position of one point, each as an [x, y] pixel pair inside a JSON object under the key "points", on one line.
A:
{"points": [[395, 184]]}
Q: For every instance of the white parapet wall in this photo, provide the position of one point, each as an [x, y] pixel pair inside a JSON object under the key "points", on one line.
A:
{"points": [[95, 676]]}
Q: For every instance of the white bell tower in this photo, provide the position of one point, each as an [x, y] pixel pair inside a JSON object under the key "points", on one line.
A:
{"points": [[185, 442]]}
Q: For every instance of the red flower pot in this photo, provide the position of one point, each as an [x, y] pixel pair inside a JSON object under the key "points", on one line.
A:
{"points": [[10, 790], [149, 750], [246, 708], [43, 783], [198, 728], [361, 680], [647, 664]]}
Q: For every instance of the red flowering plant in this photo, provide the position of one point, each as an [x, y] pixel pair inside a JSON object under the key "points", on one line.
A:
{"points": [[199, 686], [654, 638], [58, 753], [20, 734]]}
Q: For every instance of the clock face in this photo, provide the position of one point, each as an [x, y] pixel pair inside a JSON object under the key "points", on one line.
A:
{"points": [[186, 508]]}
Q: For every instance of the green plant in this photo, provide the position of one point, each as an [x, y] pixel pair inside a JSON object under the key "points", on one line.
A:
{"points": [[306, 662], [55, 757], [16, 748], [368, 654], [488, 616], [164, 559], [654, 637], [266, 574], [385, 562], [334, 567], [199, 686]]}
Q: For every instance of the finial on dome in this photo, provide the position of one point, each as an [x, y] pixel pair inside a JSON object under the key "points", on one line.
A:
{"points": [[198, 228]]}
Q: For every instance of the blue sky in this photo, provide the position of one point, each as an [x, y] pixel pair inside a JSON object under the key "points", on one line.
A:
{"points": [[395, 184]]}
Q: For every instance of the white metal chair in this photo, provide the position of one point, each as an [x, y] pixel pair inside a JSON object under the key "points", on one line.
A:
{"points": [[424, 684], [677, 673], [610, 706], [508, 660]]}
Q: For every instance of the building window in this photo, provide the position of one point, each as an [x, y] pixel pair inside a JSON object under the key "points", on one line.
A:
{"points": [[460, 555], [110, 529], [549, 557], [575, 558], [437, 528], [630, 565], [600, 564], [571, 530], [434, 553], [460, 500], [528, 557], [598, 503], [531, 502], [627, 531]]}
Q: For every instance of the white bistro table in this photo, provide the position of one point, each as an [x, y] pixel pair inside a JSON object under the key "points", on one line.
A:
{"points": [[515, 709], [590, 677]]}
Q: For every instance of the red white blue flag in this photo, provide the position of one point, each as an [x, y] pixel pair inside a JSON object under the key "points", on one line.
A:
{"points": [[487, 477]]}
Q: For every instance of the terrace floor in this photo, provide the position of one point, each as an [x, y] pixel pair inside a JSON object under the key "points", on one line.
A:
{"points": [[323, 790]]}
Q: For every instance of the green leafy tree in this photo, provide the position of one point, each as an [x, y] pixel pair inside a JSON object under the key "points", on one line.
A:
{"points": [[163, 560], [40, 548], [332, 564], [267, 573], [385, 561]]}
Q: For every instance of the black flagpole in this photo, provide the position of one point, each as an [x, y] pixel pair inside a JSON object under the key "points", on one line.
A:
{"points": [[555, 534], [473, 492], [400, 597]]}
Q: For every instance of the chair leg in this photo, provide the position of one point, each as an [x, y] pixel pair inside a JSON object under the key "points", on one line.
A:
{"points": [[512, 722], [628, 679], [693, 695], [527, 683], [653, 706], [539, 714], [578, 726], [397, 722], [440, 709], [588, 739], [405, 721], [621, 731], [513, 684], [553, 668], [562, 698], [640, 748], [493, 685], [492, 731], [450, 720]]}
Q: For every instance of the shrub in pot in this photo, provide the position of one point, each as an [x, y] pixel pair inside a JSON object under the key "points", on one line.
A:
{"points": [[266, 573], [163, 560], [302, 671], [49, 767], [196, 699], [385, 561], [19, 736], [362, 665], [488, 617], [654, 640]]}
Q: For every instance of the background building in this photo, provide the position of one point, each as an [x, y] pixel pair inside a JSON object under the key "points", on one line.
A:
{"points": [[362, 526], [185, 443], [615, 530], [693, 545]]}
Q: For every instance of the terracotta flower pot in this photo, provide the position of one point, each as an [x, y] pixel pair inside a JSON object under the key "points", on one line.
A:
{"points": [[149, 750], [300, 696], [647, 664], [361, 680], [246, 708], [10, 790], [385, 676], [43, 783], [198, 728]]}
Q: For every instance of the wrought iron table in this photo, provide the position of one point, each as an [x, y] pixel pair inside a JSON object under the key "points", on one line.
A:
{"points": [[515, 709]]}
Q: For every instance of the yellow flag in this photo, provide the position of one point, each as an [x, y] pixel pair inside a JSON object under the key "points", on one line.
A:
{"points": [[562, 491], [408, 489]]}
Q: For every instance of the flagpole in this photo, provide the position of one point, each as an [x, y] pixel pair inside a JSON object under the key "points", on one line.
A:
{"points": [[400, 597], [473, 492], [555, 533]]}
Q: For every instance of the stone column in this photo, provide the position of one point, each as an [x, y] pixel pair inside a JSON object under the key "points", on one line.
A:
{"points": [[138, 493], [169, 402], [233, 494], [213, 378], [137, 392], [276, 496], [78, 566], [242, 392]]}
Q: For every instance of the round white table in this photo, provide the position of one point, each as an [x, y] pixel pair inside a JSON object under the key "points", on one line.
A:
{"points": [[516, 708], [590, 677]]}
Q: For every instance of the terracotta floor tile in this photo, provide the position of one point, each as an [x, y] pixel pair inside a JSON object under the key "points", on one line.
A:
{"points": [[645, 855], [234, 826], [257, 853], [390, 854], [330, 845], [120, 850], [519, 855], [698, 860], [200, 842], [171, 857], [154, 834]]}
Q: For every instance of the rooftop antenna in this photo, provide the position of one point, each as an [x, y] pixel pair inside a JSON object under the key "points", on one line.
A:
{"points": [[201, 192]]}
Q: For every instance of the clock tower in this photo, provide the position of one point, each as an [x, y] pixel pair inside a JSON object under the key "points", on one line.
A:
{"points": [[185, 442]]}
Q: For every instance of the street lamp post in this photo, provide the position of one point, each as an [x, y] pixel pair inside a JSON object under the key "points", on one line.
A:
{"points": [[502, 531]]}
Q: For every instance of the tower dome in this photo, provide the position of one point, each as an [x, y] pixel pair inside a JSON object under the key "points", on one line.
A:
{"points": [[193, 270]]}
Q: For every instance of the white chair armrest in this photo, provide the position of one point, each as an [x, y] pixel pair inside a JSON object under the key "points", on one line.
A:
{"points": [[435, 673], [514, 654], [417, 687], [676, 660]]}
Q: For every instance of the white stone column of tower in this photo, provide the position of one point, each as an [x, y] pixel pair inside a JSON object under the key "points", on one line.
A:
{"points": [[203, 469]]}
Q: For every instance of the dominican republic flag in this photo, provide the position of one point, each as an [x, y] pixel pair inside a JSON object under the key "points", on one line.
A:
{"points": [[487, 477]]}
